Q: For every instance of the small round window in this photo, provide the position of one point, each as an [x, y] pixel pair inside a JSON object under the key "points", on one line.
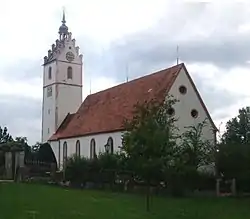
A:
{"points": [[183, 89], [194, 113], [171, 111]]}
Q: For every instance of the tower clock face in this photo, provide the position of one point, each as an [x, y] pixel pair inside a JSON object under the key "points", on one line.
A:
{"points": [[70, 56]]}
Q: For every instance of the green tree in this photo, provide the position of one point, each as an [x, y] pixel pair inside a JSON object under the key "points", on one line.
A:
{"points": [[196, 150], [233, 161], [233, 157], [22, 140], [4, 135], [35, 148], [238, 129], [195, 153], [149, 139]]}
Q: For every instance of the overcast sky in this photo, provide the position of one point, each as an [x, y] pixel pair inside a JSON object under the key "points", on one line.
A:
{"points": [[213, 39]]}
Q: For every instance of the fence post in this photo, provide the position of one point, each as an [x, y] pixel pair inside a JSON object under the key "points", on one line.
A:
{"points": [[233, 187], [218, 187]]}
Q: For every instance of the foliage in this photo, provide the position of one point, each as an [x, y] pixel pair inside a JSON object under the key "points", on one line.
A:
{"points": [[5, 136], [108, 161], [77, 169], [233, 160], [22, 140], [195, 150], [7, 143], [35, 148], [233, 156], [237, 129], [149, 139], [101, 169]]}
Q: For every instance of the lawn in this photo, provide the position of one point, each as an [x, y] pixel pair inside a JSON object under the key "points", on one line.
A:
{"points": [[17, 200]]}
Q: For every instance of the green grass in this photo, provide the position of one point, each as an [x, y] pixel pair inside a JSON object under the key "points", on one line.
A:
{"points": [[16, 200]]}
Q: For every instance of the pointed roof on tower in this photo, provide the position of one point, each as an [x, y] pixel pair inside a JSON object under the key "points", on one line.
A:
{"points": [[63, 29], [64, 35]]}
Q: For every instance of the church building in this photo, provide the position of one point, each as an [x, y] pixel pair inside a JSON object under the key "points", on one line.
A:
{"points": [[96, 124]]}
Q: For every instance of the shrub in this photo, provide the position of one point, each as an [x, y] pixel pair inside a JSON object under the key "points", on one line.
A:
{"points": [[76, 170]]}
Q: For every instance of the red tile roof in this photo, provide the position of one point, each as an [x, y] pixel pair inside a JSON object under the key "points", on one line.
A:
{"points": [[105, 111]]}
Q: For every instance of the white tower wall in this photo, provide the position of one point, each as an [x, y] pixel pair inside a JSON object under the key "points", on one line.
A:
{"points": [[62, 82]]}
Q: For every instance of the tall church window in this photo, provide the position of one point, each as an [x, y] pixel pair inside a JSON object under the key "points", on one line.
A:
{"points": [[109, 147], [92, 149], [64, 153], [78, 150], [69, 72], [50, 73]]}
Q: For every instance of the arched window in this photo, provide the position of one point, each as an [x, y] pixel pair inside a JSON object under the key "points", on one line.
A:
{"points": [[64, 153], [92, 149], [78, 150], [69, 72], [109, 147], [50, 73]]}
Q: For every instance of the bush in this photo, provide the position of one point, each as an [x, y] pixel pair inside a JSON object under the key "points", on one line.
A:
{"points": [[243, 182], [114, 170], [76, 170]]}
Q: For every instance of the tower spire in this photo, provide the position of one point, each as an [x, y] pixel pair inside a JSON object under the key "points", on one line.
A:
{"points": [[63, 19], [63, 29]]}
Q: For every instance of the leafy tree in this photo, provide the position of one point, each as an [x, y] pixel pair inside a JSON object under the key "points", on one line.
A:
{"points": [[149, 139], [4, 135], [196, 150], [193, 152], [27, 149], [238, 129], [233, 157], [35, 148], [233, 161], [22, 140]]}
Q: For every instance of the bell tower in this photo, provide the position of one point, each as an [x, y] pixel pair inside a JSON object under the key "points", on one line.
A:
{"points": [[62, 81]]}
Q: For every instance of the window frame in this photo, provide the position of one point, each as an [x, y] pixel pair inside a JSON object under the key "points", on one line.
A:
{"points": [[69, 72], [65, 153], [78, 148], [92, 148], [50, 73]]}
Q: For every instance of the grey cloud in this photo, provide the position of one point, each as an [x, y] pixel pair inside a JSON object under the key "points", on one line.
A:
{"points": [[216, 40], [28, 69], [22, 70], [217, 100], [221, 115], [22, 116], [155, 48], [145, 48]]}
